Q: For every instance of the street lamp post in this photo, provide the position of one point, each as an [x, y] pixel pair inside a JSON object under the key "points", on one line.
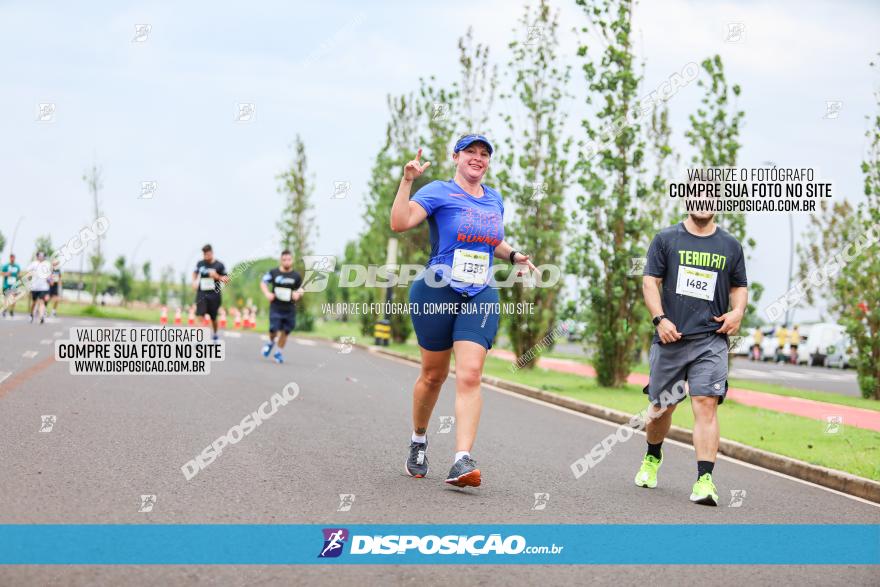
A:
{"points": [[15, 232], [788, 310]]}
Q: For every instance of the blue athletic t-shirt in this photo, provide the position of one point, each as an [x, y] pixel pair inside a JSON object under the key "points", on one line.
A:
{"points": [[458, 220]]}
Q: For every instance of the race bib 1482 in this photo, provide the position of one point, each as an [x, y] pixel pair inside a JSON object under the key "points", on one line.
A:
{"points": [[696, 283]]}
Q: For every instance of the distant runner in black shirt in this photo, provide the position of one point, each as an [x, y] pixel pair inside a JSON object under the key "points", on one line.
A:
{"points": [[55, 286], [207, 279], [696, 289], [282, 286]]}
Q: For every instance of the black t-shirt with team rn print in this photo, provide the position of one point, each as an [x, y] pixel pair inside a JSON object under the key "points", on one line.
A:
{"points": [[283, 285], [208, 286], [697, 273]]}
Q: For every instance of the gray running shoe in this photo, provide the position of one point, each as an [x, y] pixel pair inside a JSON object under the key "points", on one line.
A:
{"points": [[417, 463], [464, 473]]}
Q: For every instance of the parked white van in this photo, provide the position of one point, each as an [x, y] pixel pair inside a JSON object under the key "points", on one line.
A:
{"points": [[814, 349]]}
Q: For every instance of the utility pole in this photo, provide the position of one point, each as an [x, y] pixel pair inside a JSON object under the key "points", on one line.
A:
{"points": [[382, 329]]}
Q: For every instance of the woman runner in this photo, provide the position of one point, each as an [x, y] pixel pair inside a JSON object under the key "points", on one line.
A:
{"points": [[465, 219]]}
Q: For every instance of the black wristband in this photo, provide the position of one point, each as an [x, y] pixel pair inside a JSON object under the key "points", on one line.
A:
{"points": [[658, 319], [512, 255]]}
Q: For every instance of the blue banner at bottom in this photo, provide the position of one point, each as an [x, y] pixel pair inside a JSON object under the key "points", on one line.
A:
{"points": [[277, 544]]}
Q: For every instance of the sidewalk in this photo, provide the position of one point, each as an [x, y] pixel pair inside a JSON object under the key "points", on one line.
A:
{"points": [[867, 419]]}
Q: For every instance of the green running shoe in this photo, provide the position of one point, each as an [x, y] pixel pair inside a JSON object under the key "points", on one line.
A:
{"points": [[704, 491], [647, 475]]}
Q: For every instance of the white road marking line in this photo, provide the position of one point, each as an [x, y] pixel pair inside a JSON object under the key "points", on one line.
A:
{"points": [[669, 440], [682, 444], [840, 377], [305, 342], [737, 373], [741, 373], [57, 334], [46, 341], [791, 375], [29, 354], [231, 335], [4, 375]]}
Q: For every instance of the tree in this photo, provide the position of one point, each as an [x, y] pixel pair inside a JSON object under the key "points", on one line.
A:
{"points": [[400, 136], [535, 170], [297, 223], [44, 244], [123, 281], [93, 179], [841, 252], [146, 293], [447, 113], [661, 163], [714, 134], [165, 284], [612, 210], [186, 292], [479, 80], [246, 284]]}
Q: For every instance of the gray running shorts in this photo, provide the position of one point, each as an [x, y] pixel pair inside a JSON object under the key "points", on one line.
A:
{"points": [[702, 362]]}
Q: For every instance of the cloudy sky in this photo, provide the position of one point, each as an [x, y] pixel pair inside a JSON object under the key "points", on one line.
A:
{"points": [[161, 106]]}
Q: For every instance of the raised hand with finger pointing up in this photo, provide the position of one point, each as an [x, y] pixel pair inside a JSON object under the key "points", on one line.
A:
{"points": [[415, 168]]}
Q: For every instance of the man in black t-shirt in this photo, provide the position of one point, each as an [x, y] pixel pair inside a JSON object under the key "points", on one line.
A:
{"points": [[286, 290], [696, 289], [207, 279]]}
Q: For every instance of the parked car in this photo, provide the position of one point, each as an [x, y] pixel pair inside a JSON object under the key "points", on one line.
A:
{"points": [[767, 352], [769, 349], [576, 330], [823, 335], [839, 354]]}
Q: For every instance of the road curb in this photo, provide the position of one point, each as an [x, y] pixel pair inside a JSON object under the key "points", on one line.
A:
{"points": [[831, 478]]}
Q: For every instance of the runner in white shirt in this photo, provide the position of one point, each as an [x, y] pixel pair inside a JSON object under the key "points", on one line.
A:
{"points": [[39, 272]]}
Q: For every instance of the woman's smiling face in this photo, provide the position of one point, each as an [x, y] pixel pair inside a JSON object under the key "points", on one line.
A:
{"points": [[472, 161]]}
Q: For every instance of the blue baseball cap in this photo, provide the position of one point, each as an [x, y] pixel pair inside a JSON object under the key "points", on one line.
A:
{"points": [[467, 140]]}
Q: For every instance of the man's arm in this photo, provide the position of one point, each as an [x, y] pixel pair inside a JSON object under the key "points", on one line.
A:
{"points": [[666, 330], [195, 281], [269, 295], [219, 275], [739, 299]]}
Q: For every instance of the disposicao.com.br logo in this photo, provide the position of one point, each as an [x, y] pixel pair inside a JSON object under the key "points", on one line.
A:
{"points": [[402, 544]]}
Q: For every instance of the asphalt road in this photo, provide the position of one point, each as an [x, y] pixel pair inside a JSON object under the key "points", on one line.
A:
{"points": [[798, 377], [117, 438]]}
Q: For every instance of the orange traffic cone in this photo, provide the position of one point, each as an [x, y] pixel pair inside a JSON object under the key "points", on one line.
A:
{"points": [[237, 318], [191, 319], [163, 319], [221, 322], [206, 320], [177, 319]]}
